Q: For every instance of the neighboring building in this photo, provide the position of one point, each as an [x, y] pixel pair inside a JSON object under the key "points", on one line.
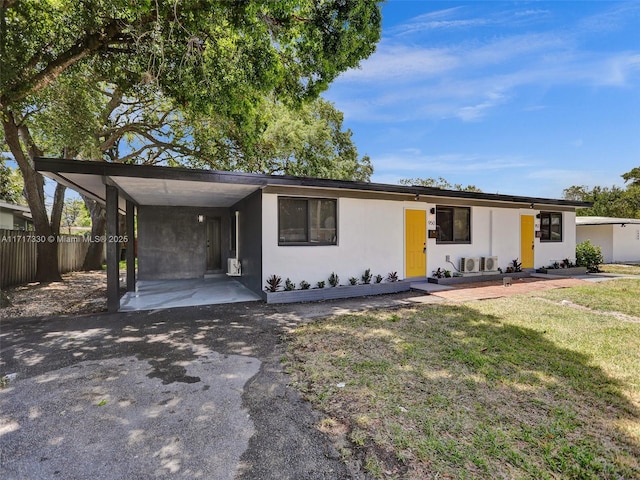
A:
{"points": [[618, 238], [191, 222], [15, 217]]}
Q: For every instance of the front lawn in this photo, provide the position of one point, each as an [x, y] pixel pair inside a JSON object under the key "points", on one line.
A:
{"points": [[520, 387], [620, 269]]}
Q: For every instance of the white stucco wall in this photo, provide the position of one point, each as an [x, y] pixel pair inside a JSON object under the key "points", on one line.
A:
{"points": [[370, 235], [626, 243], [6, 220], [548, 252], [600, 235], [496, 232], [618, 244]]}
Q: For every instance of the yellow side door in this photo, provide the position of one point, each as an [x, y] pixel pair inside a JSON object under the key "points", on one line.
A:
{"points": [[415, 235], [527, 244]]}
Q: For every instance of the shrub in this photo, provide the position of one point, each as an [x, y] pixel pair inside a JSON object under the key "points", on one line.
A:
{"points": [[320, 284], [273, 283], [334, 280], [589, 255], [304, 285], [392, 277], [366, 276], [378, 278], [353, 281], [289, 285]]}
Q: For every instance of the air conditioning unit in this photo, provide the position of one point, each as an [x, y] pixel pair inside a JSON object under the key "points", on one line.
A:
{"points": [[489, 264], [234, 268], [469, 264]]}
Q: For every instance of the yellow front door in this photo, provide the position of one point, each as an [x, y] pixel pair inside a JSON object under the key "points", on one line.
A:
{"points": [[415, 237], [526, 241]]}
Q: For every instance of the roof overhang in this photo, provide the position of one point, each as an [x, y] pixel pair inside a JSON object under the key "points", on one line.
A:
{"points": [[170, 186], [584, 221]]}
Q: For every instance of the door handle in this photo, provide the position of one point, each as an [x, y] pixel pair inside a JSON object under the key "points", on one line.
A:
{"points": [[424, 248]]}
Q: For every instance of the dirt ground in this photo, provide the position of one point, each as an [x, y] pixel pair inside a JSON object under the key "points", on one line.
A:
{"points": [[78, 293]]}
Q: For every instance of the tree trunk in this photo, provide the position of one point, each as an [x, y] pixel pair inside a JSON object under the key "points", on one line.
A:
{"points": [[47, 264], [95, 253], [56, 210]]}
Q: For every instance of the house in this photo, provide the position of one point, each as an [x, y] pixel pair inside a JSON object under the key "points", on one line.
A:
{"points": [[15, 217], [194, 222], [618, 238]]}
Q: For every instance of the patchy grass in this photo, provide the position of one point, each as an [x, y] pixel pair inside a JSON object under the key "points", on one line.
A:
{"points": [[509, 388], [620, 295], [620, 269]]}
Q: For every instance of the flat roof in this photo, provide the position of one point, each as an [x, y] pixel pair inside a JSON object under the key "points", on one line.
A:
{"points": [[174, 186], [587, 220]]}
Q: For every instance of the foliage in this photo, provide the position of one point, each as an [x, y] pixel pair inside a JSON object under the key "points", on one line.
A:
{"points": [[441, 273], [334, 280], [10, 184], [71, 212], [304, 285], [366, 276], [515, 266], [589, 255], [353, 280], [289, 285], [378, 278], [392, 277], [320, 284], [273, 283], [181, 61], [609, 201], [439, 183]]}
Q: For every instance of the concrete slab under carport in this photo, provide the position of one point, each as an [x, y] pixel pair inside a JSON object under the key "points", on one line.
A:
{"points": [[160, 294]]}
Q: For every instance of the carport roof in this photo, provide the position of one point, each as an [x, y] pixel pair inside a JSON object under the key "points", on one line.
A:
{"points": [[606, 221], [171, 186]]}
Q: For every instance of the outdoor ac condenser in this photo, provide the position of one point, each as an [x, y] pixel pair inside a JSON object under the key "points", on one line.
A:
{"points": [[234, 268], [468, 264], [489, 264]]}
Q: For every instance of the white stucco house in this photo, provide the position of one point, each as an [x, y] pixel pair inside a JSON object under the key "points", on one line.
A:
{"points": [[15, 217], [191, 222], [618, 238]]}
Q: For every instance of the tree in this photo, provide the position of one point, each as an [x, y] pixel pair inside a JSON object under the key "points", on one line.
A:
{"points": [[609, 201], [10, 184], [71, 213], [211, 57], [439, 183]]}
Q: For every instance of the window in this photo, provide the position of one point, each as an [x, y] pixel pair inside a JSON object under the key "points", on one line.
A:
{"points": [[453, 224], [307, 221], [550, 227]]}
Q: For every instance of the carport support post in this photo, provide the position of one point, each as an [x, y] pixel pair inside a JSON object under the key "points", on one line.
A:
{"points": [[113, 273], [131, 244]]}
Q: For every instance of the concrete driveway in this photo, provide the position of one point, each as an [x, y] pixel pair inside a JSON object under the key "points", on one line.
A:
{"points": [[193, 392]]}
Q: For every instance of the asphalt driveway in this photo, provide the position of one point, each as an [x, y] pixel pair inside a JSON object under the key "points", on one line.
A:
{"points": [[182, 393]]}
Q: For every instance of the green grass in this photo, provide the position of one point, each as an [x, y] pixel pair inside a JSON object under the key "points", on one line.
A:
{"points": [[620, 295], [620, 269], [519, 387]]}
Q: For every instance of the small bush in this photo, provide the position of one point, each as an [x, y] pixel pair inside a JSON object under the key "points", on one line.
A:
{"points": [[320, 284], [589, 255], [289, 285], [334, 280], [366, 276], [273, 283], [392, 277], [304, 285], [353, 281], [378, 278]]}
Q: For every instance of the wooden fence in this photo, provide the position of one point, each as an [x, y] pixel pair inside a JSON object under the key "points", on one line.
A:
{"points": [[18, 255]]}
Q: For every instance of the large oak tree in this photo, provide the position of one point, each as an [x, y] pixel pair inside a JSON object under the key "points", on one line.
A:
{"points": [[218, 59]]}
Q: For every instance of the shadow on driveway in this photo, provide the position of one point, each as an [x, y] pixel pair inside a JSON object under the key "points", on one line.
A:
{"points": [[188, 393]]}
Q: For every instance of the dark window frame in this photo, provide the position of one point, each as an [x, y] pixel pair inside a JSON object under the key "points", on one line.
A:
{"points": [[548, 237], [452, 209], [308, 225]]}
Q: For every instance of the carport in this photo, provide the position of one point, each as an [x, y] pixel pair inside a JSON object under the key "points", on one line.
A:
{"points": [[175, 213]]}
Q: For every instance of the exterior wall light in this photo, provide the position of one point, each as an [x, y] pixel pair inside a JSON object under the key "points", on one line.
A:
{"points": [[200, 218]]}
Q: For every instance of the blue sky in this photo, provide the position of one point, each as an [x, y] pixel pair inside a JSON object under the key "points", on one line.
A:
{"points": [[522, 98]]}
